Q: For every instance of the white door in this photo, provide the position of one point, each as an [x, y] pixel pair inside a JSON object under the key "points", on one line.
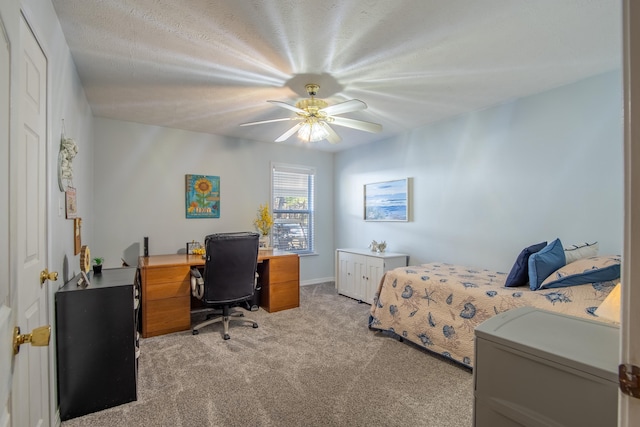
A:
{"points": [[344, 273], [30, 391], [629, 407], [350, 275], [375, 270], [359, 276], [7, 315]]}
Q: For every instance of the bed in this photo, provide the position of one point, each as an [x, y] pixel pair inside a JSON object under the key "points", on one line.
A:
{"points": [[437, 305]]}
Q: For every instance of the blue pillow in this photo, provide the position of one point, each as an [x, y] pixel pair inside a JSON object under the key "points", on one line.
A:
{"points": [[545, 262], [585, 270], [519, 275]]}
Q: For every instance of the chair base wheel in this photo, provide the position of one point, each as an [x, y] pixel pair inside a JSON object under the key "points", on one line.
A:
{"points": [[225, 318]]}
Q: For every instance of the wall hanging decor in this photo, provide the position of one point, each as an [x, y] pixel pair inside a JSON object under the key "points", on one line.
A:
{"points": [[68, 150], [387, 201], [70, 203], [202, 196], [77, 235]]}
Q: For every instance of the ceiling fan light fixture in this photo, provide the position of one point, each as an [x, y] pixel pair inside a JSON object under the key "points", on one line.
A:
{"points": [[312, 89], [314, 116], [312, 132], [312, 105]]}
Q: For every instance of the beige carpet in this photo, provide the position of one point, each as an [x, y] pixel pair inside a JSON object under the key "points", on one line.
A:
{"points": [[316, 365]]}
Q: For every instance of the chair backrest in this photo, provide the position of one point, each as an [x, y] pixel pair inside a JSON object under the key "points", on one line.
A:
{"points": [[230, 267]]}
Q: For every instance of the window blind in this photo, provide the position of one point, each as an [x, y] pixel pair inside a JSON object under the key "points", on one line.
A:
{"points": [[292, 202]]}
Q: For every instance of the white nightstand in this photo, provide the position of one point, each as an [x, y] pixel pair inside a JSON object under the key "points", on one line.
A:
{"points": [[540, 368], [358, 271]]}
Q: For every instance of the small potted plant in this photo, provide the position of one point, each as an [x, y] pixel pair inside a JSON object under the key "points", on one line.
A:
{"points": [[97, 265]]}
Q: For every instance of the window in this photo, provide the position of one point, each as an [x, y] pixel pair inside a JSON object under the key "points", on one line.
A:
{"points": [[292, 201]]}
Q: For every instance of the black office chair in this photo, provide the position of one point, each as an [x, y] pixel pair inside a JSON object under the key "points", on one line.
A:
{"points": [[229, 277]]}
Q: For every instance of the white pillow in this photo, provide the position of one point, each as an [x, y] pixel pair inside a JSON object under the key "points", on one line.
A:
{"points": [[584, 250]]}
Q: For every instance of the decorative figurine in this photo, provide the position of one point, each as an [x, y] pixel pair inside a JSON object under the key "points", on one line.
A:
{"points": [[378, 247]]}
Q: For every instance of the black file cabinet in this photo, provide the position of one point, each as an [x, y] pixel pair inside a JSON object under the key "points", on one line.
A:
{"points": [[97, 342]]}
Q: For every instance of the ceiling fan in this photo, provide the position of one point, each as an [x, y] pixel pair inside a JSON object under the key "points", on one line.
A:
{"points": [[314, 115]]}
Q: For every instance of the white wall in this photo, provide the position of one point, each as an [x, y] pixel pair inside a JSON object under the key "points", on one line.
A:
{"points": [[485, 184], [139, 190], [489, 183]]}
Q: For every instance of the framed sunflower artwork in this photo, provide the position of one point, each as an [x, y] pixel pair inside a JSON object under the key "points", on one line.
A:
{"points": [[202, 196]]}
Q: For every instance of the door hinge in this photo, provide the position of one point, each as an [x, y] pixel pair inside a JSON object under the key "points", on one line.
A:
{"points": [[629, 376]]}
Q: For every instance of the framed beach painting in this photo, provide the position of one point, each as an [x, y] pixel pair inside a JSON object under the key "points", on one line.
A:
{"points": [[202, 196], [387, 201]]}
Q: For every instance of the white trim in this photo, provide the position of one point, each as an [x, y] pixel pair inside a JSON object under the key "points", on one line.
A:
{"points": [[288, 167], [317, 281], [629, 407]]}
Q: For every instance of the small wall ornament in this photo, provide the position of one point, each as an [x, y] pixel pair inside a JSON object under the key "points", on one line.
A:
{"points": [[68, 150], [71, 203]]}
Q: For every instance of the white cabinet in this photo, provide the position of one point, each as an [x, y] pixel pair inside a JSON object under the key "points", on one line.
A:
{"points": [[536, 368], [358, 271]]}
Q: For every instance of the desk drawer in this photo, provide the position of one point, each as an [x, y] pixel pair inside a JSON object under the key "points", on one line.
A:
{"points": [[166, 315], [165, 274], [283, 269], [156, 291], [282, 296]]}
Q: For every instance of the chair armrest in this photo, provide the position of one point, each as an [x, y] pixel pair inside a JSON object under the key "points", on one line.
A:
{"points": [[197, 283]]}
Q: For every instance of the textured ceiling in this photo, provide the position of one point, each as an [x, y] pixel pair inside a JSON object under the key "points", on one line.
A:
{"points": [[209, 65]]}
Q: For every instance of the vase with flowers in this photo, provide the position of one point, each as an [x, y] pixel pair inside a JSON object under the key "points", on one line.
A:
{"points": [[263, 223]]}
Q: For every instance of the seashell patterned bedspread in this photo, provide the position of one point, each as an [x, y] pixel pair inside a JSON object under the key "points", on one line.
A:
{"points": [[437, 305]]}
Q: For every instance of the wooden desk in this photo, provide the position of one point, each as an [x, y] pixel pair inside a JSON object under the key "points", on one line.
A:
{"points": [[166, 288]]}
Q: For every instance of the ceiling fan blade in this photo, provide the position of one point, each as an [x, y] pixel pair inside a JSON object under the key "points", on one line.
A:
{"points": [[357, 124], [289, 107], [344, 107], [332, 136], [267, 121], [288, 133]]}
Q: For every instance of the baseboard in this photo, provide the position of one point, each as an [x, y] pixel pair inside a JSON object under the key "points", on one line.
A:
{"points": [[317, 281]]}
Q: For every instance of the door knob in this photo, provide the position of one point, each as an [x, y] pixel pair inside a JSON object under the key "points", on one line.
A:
{"points": [[38, 337], [46, 275]]}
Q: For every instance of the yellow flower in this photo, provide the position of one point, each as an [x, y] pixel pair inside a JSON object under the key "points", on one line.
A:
{"points": [[203, 186], [263, 221]]}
